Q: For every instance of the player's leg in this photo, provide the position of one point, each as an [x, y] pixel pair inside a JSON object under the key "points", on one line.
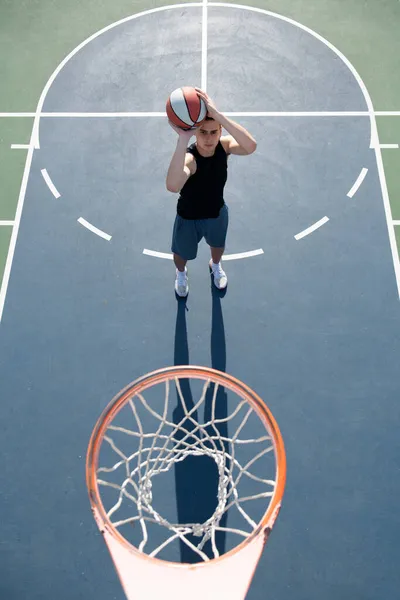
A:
{"points": [[180, 262], [216, 254], [184, 248], [219, 275], [215, 238]]}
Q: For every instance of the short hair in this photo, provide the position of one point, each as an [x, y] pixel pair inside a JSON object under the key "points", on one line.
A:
{"points": [[208, 118]]}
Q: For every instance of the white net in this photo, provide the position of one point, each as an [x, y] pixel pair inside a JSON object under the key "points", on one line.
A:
{"points": [[143, 455]]}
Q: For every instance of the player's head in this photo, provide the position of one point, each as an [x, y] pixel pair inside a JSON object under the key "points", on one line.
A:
{"points": [[207, 135]]}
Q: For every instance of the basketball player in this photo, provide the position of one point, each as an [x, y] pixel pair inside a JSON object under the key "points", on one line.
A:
{"points": [[199, 173]]}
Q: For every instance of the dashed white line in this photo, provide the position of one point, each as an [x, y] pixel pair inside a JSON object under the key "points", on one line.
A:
{"points": [[240, 255], [50, 184], [38, 114], [19, 146], [311, 228], [358, 182], [94, 229], [225, 256]]}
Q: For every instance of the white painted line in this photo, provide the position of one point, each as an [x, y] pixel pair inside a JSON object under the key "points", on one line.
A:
{"points": [[184, 7], [356, 113], [19, 146], [97, 115], [50, 184], [94, 229], [243, 254], [204, 47], [38, 113], [311, 228], [389, 146], [6, 223], [389, 220], [374, 129], [113, 115], [374, 137], [298, 114], [358, 182], [15, 229], [396, 222], [225, 256]]}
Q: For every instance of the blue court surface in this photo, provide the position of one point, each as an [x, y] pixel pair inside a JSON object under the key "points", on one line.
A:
{"points": [[311, 321]]}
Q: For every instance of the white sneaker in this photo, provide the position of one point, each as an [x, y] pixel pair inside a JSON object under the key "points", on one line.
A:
{"points": [[220, 278], [181, 283]]}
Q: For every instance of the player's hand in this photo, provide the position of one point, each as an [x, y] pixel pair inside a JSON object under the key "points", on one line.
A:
{"points": [[185, 134], [211, 108]]}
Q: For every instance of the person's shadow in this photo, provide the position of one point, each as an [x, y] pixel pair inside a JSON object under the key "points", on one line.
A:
{"points": [[196, 477]]}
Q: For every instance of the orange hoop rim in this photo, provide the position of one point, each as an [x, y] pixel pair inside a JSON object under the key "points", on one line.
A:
{"points": [[160, 376]]}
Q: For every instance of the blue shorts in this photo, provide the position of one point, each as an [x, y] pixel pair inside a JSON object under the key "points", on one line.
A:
{"points": [[188, 233]]}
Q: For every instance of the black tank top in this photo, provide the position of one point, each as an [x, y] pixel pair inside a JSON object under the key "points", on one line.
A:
{"points": [[202, 196]]}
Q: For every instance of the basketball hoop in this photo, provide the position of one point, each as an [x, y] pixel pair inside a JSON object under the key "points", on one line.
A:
{"points": [[140, 442]]}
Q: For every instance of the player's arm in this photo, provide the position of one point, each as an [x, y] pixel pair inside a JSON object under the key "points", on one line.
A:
{"points": [[240, 141], [182, 164], [231, 146]]}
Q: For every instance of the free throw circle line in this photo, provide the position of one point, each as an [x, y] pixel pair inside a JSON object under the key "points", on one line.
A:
{"points": [[50, 184], [225, 256], [358, 182], [37, 115], [311, 228], [94, 229]]}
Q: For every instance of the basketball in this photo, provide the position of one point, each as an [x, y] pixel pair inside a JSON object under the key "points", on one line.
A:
{"points": [[185, 108]]}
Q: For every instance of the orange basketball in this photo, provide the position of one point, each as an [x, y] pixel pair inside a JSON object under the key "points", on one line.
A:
{"points": [[185, 108]]}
